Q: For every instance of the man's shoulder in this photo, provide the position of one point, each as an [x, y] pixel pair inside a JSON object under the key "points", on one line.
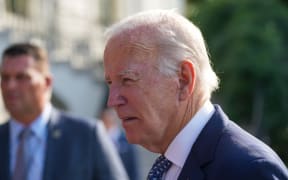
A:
{"points": [[235, 142], [242, 154], [238, 156], [71, 120], [4, 127], [238, 145], [235, 138], [225, 146]]}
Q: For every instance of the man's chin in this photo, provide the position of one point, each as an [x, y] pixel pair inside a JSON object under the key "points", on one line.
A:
{"points": [[16, 112], [131, 138]]}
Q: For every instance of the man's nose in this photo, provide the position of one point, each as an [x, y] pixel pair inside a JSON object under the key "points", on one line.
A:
{"points": [[115, 98], [10, 83]]}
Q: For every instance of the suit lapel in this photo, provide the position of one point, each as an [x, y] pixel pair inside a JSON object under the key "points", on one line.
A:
{"points": [[191, 170], [202, 152], [52, 163], [4, 152]]}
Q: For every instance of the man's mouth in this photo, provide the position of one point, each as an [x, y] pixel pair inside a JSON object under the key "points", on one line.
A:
{"points": [[128, 119]]}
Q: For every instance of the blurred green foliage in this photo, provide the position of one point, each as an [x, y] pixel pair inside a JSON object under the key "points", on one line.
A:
{"points": [[248, 44]]}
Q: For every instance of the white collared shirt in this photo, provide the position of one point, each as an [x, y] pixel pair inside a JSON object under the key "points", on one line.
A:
{"points": [[37, 143], [180, 147]]}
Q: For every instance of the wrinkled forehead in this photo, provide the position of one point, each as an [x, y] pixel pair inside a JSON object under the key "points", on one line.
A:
{"points": [[130, 50], [23, 61], [125, 47], [127, 67], [128, 59], [134, 33], [135, 40], [128, 55]]}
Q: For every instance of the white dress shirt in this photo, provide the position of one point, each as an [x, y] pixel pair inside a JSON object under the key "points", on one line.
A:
{"points": [[37, 143], [180, 147]]}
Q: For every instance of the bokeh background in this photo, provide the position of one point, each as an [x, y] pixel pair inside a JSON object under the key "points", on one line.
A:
{"points": [[247, 41]]}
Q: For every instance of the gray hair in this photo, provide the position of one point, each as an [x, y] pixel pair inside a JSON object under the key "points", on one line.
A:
{"points": [[174, 38]]}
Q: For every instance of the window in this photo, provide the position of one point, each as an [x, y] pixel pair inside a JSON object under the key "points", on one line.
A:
{"points": [[18, 7], [108, 11]]}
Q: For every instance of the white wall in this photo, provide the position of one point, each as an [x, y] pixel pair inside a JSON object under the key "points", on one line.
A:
{"points": [[128, 7], [78, 90]]}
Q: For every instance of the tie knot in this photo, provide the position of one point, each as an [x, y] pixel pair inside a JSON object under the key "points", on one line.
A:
{"points": [[25, 133], [161, 165]]}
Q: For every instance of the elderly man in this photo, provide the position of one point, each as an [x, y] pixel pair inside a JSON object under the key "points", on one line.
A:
{"points": [[160, 82], [40, 142]]}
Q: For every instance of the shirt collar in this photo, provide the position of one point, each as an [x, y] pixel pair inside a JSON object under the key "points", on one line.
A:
{"points": [[180, 147], [38, 126]]}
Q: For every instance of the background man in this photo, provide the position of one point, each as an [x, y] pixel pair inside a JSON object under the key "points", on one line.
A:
{"points": [[40, 142], [160, 82]]}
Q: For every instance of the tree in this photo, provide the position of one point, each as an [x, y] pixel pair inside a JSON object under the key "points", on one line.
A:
{"points": [[248, 42]]}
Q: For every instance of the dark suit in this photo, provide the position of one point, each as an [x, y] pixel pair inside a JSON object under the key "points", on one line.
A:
{"points": [[77, 149], [224, 151]]}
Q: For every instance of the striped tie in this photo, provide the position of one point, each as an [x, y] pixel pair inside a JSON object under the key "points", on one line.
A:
{"points": [[23, 156], [160, 166]]}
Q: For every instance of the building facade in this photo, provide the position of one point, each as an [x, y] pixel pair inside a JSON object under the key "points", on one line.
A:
{"points": [[72, 32], [73, 35]]}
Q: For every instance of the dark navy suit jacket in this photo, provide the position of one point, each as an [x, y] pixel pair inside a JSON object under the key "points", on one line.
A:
{"points": [[77, 149], [224, 151]]}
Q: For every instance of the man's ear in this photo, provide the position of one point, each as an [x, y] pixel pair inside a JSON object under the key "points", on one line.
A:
{"points": [[187, 79], [48, 81]]}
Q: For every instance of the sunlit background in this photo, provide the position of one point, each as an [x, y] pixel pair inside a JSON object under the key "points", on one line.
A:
{"points": [[72, 31], [247, 40]]}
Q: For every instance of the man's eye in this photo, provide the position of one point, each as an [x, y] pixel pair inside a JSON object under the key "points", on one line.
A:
{"points": [[108, 82], [22, 77], [4, 77], [127, 80]]}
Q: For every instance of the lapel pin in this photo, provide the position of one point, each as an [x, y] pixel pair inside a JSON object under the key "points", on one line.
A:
{"points": [[56, 134]]}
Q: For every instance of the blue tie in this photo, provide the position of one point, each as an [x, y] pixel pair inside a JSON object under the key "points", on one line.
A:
{"points": [[160, 166]]}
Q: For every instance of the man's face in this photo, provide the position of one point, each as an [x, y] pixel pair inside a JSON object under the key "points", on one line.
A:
{"points": [[145, 100], [23, 86]]}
